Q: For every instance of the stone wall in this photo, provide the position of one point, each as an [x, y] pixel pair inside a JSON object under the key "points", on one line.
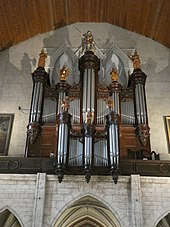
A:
{"points": [[19, 61], [39, 200]]}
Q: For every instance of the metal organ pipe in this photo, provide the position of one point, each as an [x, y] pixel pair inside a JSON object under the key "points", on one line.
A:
{"points": [[40, 78], [88, 117], [64, 125], [138, 79], [88, 92], [88, 151], [112, 122], [61, 97], [116, 102], [89, 66], [114, 146]]}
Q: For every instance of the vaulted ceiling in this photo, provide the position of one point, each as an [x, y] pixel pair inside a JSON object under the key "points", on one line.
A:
{"points": [[23, 19]]}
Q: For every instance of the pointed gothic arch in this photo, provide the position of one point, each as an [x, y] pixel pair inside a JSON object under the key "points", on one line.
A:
{"points": [[118, 58], [164, 220], [9, 218], [62, 56], [87, 211]]}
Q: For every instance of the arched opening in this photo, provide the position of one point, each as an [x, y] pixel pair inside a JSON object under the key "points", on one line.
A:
{"points": [[87, 211], [164, 222], [7, 218]]}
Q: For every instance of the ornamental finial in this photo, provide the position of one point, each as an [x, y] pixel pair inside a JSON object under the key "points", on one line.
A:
{"points": [[136, 60], [43, 56]]}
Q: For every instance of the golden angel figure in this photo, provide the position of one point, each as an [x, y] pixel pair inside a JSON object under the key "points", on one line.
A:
{"points": [[64, 72], [114, 75]]}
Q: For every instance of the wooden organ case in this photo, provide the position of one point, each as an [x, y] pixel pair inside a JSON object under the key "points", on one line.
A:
{"points": [[90, 126]]}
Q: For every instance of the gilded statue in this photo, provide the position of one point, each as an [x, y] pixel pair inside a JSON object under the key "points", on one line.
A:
{"points": [[87, 41], [114, 75], [64, 72], [65, 104], [136, 60], [109, 103], [89, 118], [43, 56]]}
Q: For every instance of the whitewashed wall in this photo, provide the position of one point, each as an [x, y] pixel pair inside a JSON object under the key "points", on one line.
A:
{"points": [[39, 200], [19, 61]]}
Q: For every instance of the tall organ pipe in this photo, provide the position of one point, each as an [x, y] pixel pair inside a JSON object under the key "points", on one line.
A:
{"points": [[61, 88], [115, 89], [64, 125], [88, 92], [40, 78], [112, 123], [138, 79], [89, 66]]}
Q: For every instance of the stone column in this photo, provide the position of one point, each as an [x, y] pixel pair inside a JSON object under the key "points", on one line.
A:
{"points": [[137, 217], [39, 200]]}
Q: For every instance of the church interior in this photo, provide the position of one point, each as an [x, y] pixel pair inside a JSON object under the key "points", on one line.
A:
{"points": [[85, 113]]}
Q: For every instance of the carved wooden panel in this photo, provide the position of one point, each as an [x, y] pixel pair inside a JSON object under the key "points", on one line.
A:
{"points": [[45, 146], [130, 146]]}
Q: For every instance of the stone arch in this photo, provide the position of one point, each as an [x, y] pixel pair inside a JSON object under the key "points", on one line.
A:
{"points": [[164, 220], [87, 210], [8, 217]]}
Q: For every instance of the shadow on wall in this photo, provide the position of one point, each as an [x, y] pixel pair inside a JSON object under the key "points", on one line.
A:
{"points": [[58, 37], [16, 90]]}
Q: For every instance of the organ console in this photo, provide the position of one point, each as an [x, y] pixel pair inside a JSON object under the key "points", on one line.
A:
{"points": [[90, 126]]}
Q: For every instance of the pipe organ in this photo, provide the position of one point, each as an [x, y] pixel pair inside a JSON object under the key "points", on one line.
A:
{"points": [[90, 126]]}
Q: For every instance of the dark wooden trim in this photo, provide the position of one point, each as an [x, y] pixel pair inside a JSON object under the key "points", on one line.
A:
{"points": [[19, 165]]}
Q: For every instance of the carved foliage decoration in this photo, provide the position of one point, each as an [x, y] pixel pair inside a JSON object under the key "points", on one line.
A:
{"points": [[142, 132]]}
